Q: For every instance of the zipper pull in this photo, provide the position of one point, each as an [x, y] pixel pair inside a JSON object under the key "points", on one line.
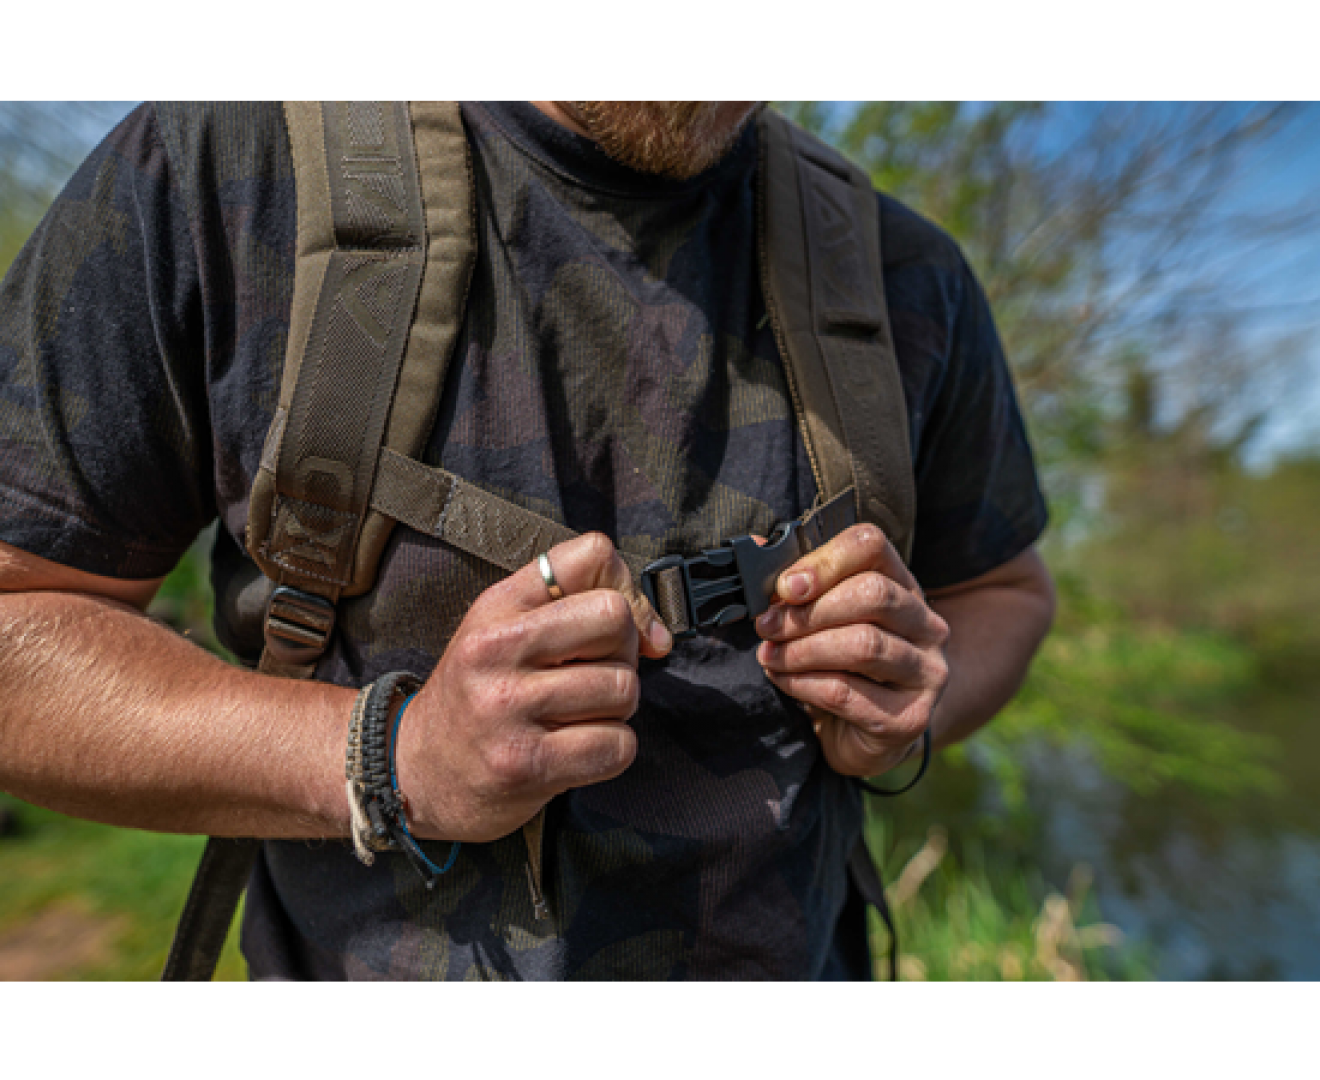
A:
{"points": [[534, 835], [539, 908]]}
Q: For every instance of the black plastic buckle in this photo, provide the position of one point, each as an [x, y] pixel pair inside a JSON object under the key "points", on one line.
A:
{"points": [[731, 582], [298, 625]]}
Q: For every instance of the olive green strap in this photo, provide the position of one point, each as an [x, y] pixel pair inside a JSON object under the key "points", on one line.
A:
{"points": [[824, 291], [366, 258], [386, 245], [434, 501]]}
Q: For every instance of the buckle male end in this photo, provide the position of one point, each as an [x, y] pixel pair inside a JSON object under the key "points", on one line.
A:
{"points": [[720, 585]]}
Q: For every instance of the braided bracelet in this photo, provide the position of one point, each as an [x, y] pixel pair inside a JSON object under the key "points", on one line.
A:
{"points": [[376, 808]]}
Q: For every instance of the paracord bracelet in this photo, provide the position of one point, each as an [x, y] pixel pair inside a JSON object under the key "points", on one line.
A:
{"points": [[375, 804]]}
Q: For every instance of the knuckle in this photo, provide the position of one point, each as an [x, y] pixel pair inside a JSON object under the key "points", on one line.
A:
{"points": [[501, 697], [512, 762], [628, 689], [913, 720], [876, 591], [614, 611], [479, 648], [939, 670], [613, 753], [599, 758], [873, 729], [870, 645], [870, 541], [837, 695], [627, 748], [597, 547]]}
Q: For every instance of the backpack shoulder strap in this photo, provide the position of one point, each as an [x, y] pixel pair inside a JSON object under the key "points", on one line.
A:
{"points": [[385, 248], [823, 279], [822, 276]]}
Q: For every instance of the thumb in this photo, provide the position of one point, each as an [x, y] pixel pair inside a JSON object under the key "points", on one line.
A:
{"points": [[656, 640]]}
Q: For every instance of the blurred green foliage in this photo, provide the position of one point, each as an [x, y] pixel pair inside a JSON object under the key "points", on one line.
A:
{"points": [[128, 884], [965, 915], [185, 600]]}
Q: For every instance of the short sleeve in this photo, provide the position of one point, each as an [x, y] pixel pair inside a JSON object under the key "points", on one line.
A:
{"points": [[979, 501], [104, 436]]}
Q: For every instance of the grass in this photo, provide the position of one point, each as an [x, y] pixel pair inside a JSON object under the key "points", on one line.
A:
{"points": [[957, 920], [128, 883], [963, 919]]}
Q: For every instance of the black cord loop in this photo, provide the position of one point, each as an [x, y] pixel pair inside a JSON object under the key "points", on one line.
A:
{"points": [[925, 763]]}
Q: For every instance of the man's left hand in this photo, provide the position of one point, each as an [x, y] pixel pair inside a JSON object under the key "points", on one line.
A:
{"points": [[851, 637]]}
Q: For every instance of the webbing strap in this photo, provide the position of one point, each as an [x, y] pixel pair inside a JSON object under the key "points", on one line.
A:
{"points": [[221, 878], [824, 290], [386, 245], [434, 501], [670, 601], [865, 876]]}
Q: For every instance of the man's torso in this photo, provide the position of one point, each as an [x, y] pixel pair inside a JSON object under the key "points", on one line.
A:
{"points": [[616, 372]]}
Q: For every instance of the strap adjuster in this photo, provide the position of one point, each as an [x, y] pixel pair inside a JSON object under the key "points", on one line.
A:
{"points": [[720, 585], [298, 625]]}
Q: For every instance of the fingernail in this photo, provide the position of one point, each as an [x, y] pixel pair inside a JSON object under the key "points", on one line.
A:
{"points": [[770, 622], [798, 585], [767, 653], [659, 636]]}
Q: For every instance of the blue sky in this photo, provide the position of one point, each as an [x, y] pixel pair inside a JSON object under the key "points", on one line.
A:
{"points": [[1278, 281], [1285, 277]]}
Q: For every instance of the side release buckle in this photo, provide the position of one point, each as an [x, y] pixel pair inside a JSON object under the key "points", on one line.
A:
{"points": [[720, 585]]}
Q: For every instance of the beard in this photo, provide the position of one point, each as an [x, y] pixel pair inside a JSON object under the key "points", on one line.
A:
{"points": [[678, 139]]}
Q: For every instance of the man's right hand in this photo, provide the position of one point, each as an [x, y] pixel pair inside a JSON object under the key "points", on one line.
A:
{"points": [[531, 697]]}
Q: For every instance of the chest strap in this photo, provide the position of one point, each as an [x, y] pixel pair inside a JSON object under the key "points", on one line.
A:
{"points": [[713, 588]]}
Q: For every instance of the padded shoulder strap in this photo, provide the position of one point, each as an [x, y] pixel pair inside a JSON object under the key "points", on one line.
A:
{"points": [[822, 276], [386, 243]]}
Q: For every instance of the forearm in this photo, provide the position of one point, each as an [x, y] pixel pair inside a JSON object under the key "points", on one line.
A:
{"points": [[995, 629], [108, 715]]}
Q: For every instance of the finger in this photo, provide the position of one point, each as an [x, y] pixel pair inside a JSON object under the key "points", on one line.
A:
{"points": [[582, 692], [891, 718], [853, 751], [655, 638], [586, 562], [853, 551], [867, 597], [864, 650], [589, 753], [595, 625]]}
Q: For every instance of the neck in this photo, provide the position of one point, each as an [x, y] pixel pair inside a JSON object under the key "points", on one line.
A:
{"points": [[562, 116]]}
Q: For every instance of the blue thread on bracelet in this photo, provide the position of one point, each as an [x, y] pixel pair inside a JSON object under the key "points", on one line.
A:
{"points": [[403, 824]]}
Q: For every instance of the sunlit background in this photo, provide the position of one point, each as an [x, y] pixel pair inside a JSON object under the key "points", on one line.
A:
{"points": [[1149, 807]]}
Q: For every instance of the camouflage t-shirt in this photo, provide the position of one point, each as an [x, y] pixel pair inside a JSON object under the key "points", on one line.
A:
{"points": [[616, 372]]}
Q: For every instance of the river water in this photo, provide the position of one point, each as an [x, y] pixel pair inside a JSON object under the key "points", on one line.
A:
{"points": [[1216, 889]]}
